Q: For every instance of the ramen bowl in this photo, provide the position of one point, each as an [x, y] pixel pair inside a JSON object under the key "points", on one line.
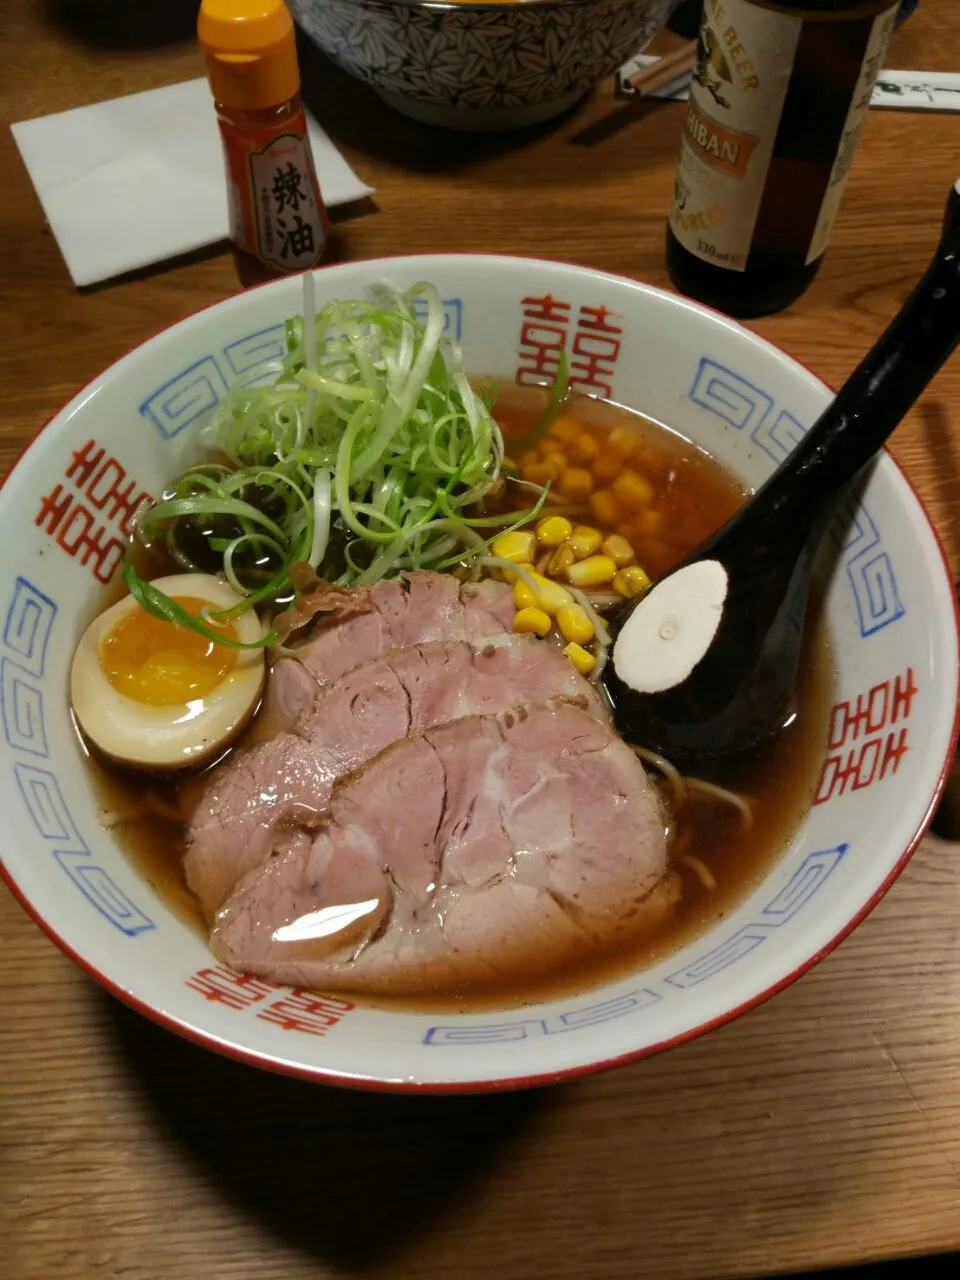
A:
{"points": [[481, 66], [64, 518]]}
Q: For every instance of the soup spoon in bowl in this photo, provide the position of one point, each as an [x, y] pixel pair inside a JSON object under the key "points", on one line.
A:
{"points": [[704, 665]]}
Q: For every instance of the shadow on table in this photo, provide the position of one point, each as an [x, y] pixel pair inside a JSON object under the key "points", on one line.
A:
{"points": [[356, 1180], [915, 1268], [355, 116], [343, 1175], [122, 24]]}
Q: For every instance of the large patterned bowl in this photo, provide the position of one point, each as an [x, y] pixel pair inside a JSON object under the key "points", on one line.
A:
{"points": [[64, 515], [481, 66]]}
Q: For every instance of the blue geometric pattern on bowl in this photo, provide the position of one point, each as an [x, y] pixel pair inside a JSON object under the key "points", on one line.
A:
{"points": [[808, 878], [246, 355], [481, 56], [181, 401], [185, 398], [27, 628], [452, 317], [22, 710], [868, 566], [26, 632]]}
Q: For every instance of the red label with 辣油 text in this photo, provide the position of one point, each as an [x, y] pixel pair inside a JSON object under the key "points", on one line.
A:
{"points": [[276, 210]]}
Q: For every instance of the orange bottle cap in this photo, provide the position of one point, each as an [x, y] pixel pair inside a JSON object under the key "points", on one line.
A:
{"points": [[251, 52]]}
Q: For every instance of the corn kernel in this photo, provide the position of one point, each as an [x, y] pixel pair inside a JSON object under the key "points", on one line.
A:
{"points": [[607, 467], [552, 595], [576, 482], [649, 521], [618, 549], [605, 507], [584, 449], [519, 545], [582, 659], [595, 571], [623, 441], [553, 530], [544, 472], [548, 445], [548, 596], [631, 581], [566, 428], [584, 541], [532, 621], [574, 624], [632, 489], [561, 560], [529, 458], [524, 596]]}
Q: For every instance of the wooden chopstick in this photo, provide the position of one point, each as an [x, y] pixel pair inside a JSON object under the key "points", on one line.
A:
{"points": [[665, 70]]}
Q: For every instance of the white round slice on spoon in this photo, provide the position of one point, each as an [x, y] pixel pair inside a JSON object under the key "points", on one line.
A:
{"points": [[672, 628]]}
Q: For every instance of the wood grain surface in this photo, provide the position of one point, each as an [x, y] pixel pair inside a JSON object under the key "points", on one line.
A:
{"points": [[822, 1128]]}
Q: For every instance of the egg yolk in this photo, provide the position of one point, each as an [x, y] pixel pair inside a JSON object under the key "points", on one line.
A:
{"points": [[161, 664]]}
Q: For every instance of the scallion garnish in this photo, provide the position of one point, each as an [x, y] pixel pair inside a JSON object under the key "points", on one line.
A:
{"points": [[163, 607], [364, 451]]}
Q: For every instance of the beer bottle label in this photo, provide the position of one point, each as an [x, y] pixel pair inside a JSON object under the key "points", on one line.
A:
{"points": [[746, 58]]}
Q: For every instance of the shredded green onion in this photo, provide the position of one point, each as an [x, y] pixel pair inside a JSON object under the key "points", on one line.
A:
{"points": [[559, 394], [161, 606], [363, 452]]}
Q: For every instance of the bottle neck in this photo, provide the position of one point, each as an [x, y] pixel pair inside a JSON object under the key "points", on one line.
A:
{"points": [[259, 117]]}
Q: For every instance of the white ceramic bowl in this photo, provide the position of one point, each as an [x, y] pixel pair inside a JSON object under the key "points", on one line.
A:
{"points": [[890, 612]]}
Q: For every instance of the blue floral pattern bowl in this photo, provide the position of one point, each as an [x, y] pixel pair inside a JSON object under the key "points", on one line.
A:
{"points": [[481, 66]]}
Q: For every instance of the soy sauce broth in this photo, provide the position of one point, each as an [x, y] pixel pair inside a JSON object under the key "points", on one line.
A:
{"points": [[693, 495]]}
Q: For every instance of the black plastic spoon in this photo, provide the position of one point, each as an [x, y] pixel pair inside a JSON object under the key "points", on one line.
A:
{"points": [[704, 665]]}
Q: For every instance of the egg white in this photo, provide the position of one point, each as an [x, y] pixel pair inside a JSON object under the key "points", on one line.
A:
{"points": [[167, 737]]}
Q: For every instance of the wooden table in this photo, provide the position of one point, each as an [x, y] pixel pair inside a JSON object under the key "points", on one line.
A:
{"points": [[822, 1128]]}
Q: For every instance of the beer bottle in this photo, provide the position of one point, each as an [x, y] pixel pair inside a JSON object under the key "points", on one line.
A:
{"points": [[779, 95]]}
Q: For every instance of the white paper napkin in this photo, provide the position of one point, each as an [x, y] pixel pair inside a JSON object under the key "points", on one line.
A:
{"points": [[139, 179]]}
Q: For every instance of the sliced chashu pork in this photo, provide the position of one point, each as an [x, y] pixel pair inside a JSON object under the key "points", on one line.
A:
{"points": [[289, 778], [291, 689], [331, 630], [487, 848]]}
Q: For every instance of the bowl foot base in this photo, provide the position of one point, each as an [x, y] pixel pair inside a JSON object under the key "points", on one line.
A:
{"points": [[481, 119]]}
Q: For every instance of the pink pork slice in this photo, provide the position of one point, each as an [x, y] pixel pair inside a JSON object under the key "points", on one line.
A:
{"points": [[488, 849], [334, 630], [288, 779], [291, 689], [354, 625]]}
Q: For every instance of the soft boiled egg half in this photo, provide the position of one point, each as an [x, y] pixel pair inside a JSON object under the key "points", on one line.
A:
{"points": [[155, 695]]}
